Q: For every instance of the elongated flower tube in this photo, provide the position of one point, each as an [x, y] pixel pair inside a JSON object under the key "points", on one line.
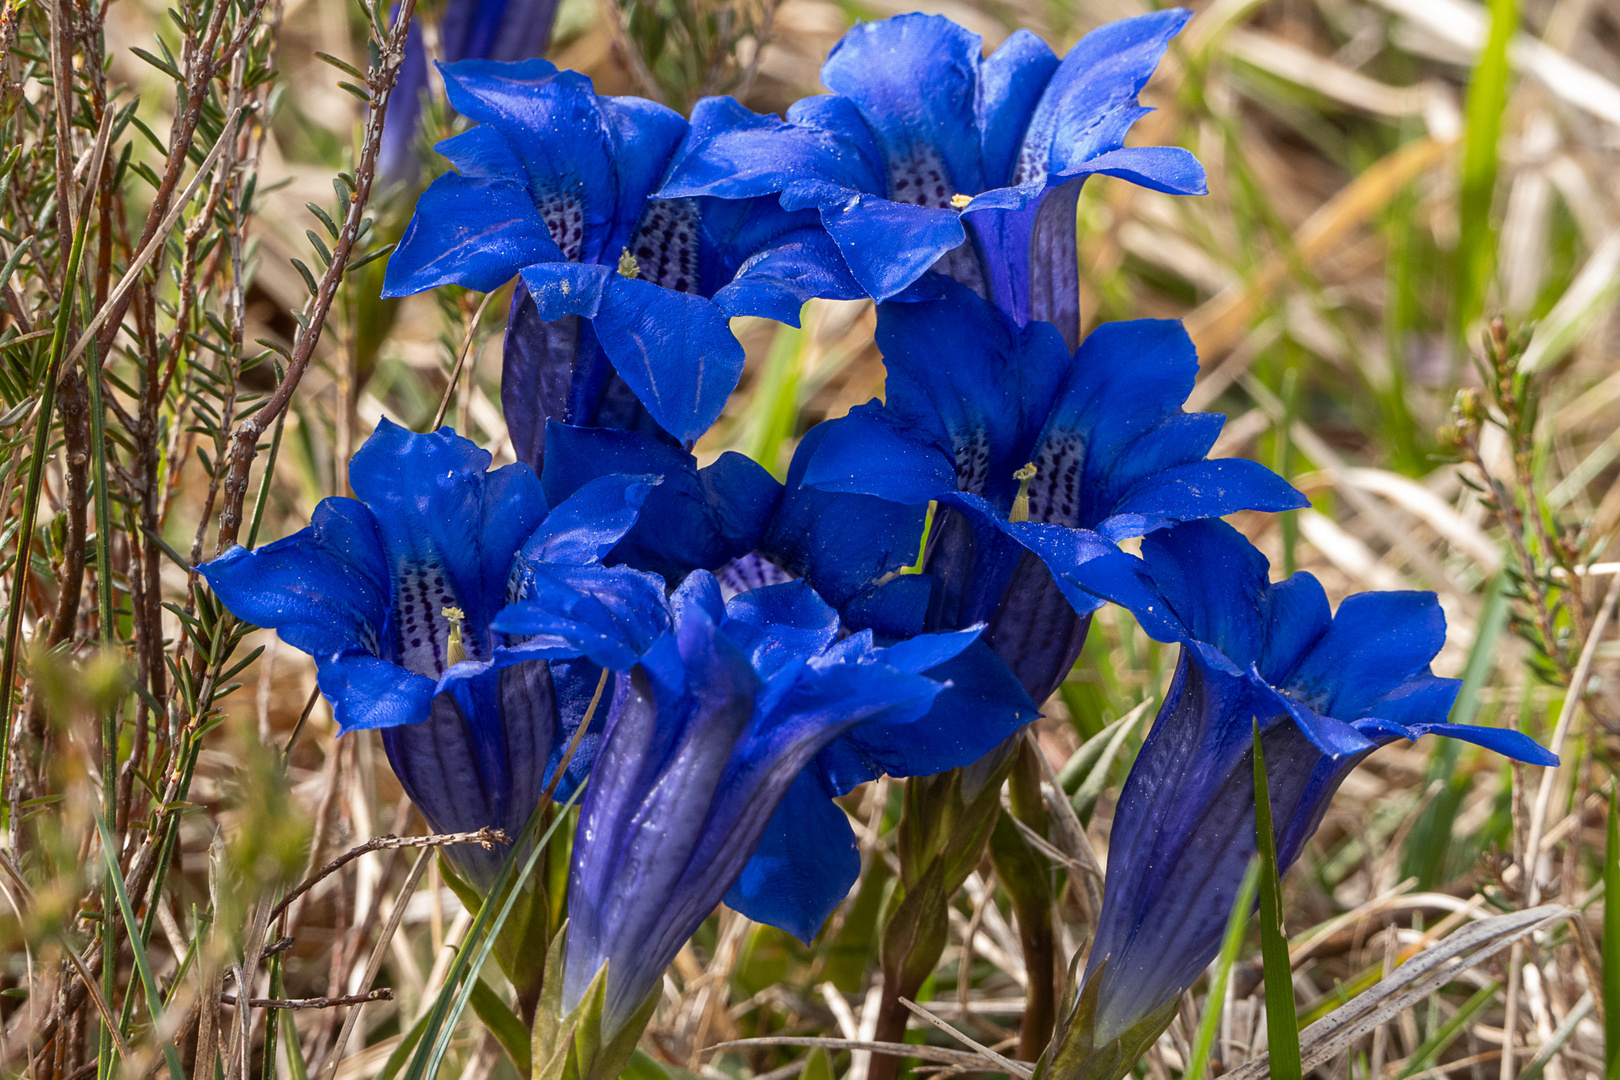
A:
{"points": [[506, 30], [624, 291], [1327, 689], [704, 739], [758, 535], [1041, 462], [393, 593], [930, 155]]}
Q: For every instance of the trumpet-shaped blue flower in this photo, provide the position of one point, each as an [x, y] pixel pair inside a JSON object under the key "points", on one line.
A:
{"points": [[394, 594], [705, 738], [555, 183], [1326, 689], [925, 144], [1041, 462], [507, 30]]}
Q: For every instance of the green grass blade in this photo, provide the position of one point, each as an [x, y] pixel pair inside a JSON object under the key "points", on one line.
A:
{"points": [[1611, 943], [154, 998], [1236, 923], [463, 975], [31, 493], [774, 411], [1282, 1023], [1487, 98], [1448, 1032]]}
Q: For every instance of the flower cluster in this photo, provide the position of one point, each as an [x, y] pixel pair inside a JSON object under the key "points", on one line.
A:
{"points": [[724, 654]]}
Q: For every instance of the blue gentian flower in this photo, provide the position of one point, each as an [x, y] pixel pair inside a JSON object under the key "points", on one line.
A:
{"points": [[1041, 463], [506, 30], [556, 184], [705, 738], [394, 593], [924, 144], [1326, 689], [757, 535]]}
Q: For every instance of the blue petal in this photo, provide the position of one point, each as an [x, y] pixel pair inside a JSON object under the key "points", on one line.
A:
{"points": [[1202, 489], [585, 526], [323, 589], [733, 153], [366, 692], [646, 136], [1011, 81], [990, 402], [694, 518], [1378, 642], [777, 281], [476, 233], [809, 534], [865, 453], [560, 289], [675, 351], [915, 79], [557, 371], [1090, 102], [804, 865], [886, 245], [450, 530], [1213, 582], [777, 624], [980, 707], [1504, 741], [1158, 168], [611, 615]]}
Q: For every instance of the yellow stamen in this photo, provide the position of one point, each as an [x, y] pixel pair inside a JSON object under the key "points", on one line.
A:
{"points": [[959, 202], [1020, 506], [454, 650], [628, 266]]}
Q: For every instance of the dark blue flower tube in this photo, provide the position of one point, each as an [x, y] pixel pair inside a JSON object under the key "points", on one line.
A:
{"points": [[1326, 689], [394, 594], [929, 155], [706, 738], [625, 297], [507, 30], [1041, 462]]}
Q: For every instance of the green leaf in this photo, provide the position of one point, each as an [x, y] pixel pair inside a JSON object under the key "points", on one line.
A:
{"points": [[1487, 98], [1282, 1022], [154, 999], [503, 1023], [1210, 1022]]}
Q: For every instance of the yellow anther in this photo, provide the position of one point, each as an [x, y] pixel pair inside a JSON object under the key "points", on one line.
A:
{"points": [[454, 650], [1020, 506], [959, 202], [628, 267]]}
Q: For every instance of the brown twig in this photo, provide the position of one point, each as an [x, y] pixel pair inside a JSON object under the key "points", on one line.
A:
{"points": [[382, 993], [486, 837], [244, 445]]}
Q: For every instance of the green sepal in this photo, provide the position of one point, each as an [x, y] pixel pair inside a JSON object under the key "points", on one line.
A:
{"points": [[1075, 1054], [572, 1047]]}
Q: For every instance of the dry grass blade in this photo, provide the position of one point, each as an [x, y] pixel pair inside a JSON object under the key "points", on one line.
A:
{"points": [[1016, 1068], [936, 1054], [1411, 983]]}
